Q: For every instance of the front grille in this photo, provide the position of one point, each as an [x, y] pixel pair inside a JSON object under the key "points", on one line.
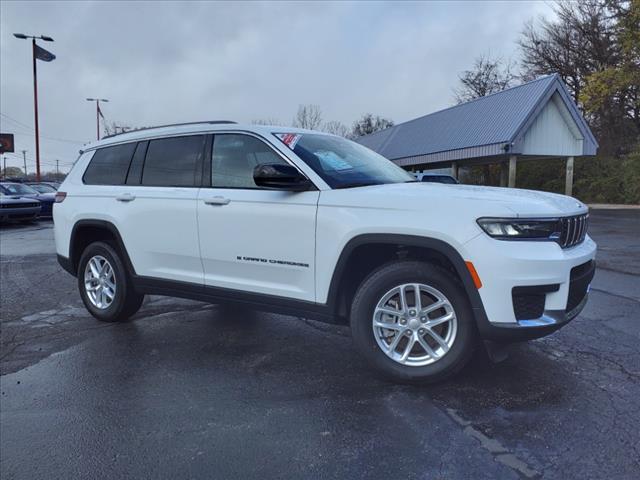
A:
{"points": [[579, 281], [18, 205], [573, 230]]}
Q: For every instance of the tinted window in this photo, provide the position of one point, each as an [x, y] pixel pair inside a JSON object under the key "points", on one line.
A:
{"points": [[173, 162], [43, 188], [235, 157], [439, 179], [17, 189], [109, 165]]}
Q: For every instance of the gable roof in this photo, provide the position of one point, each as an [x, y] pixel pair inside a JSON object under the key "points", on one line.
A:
{"points": [[486, 126]]}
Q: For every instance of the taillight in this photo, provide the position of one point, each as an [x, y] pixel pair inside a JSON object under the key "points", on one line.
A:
{"points": [[60, 196]]}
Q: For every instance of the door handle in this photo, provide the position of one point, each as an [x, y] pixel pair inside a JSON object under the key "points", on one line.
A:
{"points": [[125, 197], [217, 201]]}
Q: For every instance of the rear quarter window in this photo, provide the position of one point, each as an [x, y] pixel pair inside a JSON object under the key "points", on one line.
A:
{"points": [[109, 165]]}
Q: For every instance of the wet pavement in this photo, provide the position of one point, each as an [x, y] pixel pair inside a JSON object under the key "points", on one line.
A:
{"points": [[191, 390]]}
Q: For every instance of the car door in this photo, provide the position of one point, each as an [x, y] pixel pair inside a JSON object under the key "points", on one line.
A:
{"points": [[156, 208], [254, 239]]}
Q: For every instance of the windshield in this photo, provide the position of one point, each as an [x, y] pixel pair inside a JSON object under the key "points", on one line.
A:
{"points": [[43, 188], [342, 163], [17, 189]]}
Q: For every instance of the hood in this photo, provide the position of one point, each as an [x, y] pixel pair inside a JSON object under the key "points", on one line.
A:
{"points": [[478, 200]]}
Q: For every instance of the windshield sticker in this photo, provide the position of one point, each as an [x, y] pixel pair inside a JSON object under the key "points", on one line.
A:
{"points": [[332, 160], [289, 139]]}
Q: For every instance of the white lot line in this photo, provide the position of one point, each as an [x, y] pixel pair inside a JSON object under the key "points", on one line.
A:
{"points": [[494, 447]]}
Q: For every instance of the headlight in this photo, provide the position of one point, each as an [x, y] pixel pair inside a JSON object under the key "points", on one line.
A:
{"points": [[521, 229]]}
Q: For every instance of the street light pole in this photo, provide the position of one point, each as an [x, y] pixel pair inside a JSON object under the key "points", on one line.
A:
{"points": [[35, 108], [97, 100], [22, 36]]}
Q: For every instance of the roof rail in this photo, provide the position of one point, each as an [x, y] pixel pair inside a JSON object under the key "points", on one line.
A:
{"points": [[211, 122]]}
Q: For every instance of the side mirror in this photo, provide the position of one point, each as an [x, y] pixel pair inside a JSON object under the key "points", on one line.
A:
{"points": [[283, 177]]}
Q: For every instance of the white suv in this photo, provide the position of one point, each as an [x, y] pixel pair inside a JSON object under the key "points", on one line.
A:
{"points": [[310, 224]]}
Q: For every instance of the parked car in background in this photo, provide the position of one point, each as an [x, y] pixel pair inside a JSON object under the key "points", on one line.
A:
{"points": [[18, 208], [22, 190], [437, 178], [55, 185], [43, 187]]}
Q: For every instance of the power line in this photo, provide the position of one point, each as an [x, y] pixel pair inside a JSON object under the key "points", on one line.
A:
{"points": [[43, 136]]}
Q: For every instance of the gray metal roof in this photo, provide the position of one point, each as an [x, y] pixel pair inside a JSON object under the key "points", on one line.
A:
{"points": [[486, 126]]}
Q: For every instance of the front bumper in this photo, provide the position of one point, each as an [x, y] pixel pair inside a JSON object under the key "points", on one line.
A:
{"points": [[19, 213], [505, 267]]}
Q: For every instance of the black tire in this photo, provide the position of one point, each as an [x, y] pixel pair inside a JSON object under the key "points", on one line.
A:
{"points": [[126, 301], [384, 279]]}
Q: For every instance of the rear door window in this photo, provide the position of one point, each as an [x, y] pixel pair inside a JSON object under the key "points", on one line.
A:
{"points": [[174, 162], [109, 165]]}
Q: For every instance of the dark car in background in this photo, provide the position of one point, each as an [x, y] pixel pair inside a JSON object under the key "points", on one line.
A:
{"points": [[21, 190], [14, 207], [43, 187], [439, 178]]}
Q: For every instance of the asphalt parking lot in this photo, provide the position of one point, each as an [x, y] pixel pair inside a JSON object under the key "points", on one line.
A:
{"points": [[191, 390]]}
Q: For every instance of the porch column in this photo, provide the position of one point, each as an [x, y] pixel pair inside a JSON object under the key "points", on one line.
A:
{"points": [[568, 182], [512, 171], [454, 170], [504, 172]]}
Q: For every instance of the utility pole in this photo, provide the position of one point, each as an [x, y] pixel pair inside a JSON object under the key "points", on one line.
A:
{"points": [[42, 54], [24, 159], [57, 168], [98, 112]]}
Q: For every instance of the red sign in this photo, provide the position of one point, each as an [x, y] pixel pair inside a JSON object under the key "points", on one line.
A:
{"points": [[6, 142]]}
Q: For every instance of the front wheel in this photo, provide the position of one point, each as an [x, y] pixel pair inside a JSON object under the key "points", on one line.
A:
{"points": [[413, 322], [105, 286]]}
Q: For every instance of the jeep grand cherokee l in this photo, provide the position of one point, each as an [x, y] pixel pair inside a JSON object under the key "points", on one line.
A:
{"points": [[310, 224]]}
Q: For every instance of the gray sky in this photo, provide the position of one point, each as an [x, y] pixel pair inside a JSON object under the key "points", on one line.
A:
{"points": [[164, 62]]}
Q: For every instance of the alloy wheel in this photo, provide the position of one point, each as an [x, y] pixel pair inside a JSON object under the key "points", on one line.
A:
{"points": [[415, 324], [99, 282]]}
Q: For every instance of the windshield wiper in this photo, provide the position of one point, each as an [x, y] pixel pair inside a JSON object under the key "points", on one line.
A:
{"points": [[357, 184]]}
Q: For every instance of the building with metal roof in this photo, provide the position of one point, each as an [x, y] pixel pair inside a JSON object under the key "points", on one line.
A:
{"points": [[535, 120]]}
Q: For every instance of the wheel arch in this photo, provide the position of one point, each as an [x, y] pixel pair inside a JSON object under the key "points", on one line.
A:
{"points": [[430, 249], [85, 232]]}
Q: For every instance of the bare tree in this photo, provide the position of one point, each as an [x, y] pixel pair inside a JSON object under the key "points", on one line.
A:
{"points": [[488, 75], [267, 121], [575, 44], [309, 117], [592, 44], [369, 124], [113, 128], [12, 172], [336, 128]]}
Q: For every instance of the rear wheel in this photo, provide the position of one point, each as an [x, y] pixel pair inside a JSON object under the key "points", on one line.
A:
{"points": [[104, 284], [413, 321]]}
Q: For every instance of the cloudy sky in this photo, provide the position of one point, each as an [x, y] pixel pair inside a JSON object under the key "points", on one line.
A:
{"points": [[163, 62]]}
